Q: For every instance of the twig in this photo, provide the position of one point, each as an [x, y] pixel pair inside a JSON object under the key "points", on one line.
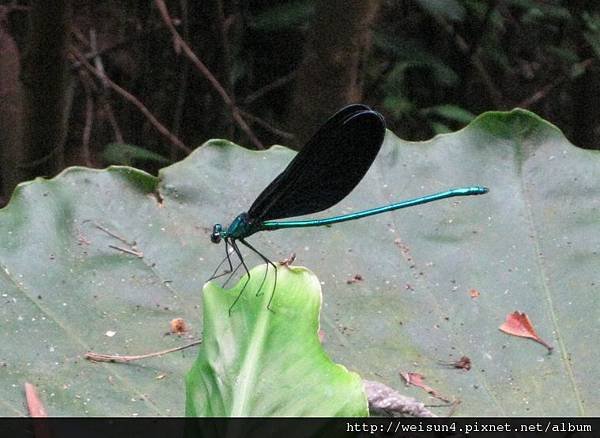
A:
{"points": [[123, 44], [112, 234], [41, 160], [17, 8], [181, 44], [89, 119], [494, 93], [268, 126], [99, 357], [454, 407], [97, 59], [491, 7], [183, 81], [540, 94], [288, 261], [107, 106], [132, 248], [128, 251], [131, 98], [279, 82], [104, 101], [112, 120]]}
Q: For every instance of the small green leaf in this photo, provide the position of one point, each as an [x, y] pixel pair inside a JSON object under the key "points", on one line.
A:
{"points": [[410, 54], [592, 32], [440, 128], [451, 112], [397, 106], [261, 362], [451, 9], [128, 154], [283, 16]]}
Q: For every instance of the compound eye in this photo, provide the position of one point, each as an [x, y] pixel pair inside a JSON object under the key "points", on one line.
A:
{"points": [[215, 237]]}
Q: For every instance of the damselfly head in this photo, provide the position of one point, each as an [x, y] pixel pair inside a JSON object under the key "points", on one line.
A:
{"points": [[215, 236]]}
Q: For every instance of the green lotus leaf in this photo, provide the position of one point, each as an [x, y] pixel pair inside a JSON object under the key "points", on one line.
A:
{"points": [[261, 362], [103, 260]]}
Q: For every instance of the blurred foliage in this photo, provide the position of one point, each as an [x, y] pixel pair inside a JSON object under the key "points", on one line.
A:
{"points": [[431, 67], [451, 9], [131, 155], [476, 56], [592, 31], [281, 17]]}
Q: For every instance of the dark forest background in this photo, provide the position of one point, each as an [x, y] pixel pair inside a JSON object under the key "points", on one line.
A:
{"points": [[144, 82]]}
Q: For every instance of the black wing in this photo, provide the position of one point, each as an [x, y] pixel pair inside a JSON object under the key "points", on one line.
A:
{"points": [[327, 169]]}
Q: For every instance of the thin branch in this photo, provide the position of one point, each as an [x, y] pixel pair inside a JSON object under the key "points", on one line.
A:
{"points": [[113, 234], [277, 83], [453, 407], [132, 99], [181, 44], [133, 252], [268, 126], [541, 94], [123, 44], [112, 120], [132, 247], [485, 23], [97, 59], [39, 161], [99, 357], [183, 81], [104, 101], [494, 93], [89, 120], [16, 8]]}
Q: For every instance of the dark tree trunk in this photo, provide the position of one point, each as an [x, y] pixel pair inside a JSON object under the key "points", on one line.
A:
{"points": [[331, 72], [587, 109], [210, 40], [585, 123], [11, 111], [45, 82]]}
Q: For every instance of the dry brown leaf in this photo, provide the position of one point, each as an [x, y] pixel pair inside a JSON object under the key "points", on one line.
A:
{"points": [[34, 404], [464, 363], [178, 326], [417, 379], [519, 324], [355, 279]]}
